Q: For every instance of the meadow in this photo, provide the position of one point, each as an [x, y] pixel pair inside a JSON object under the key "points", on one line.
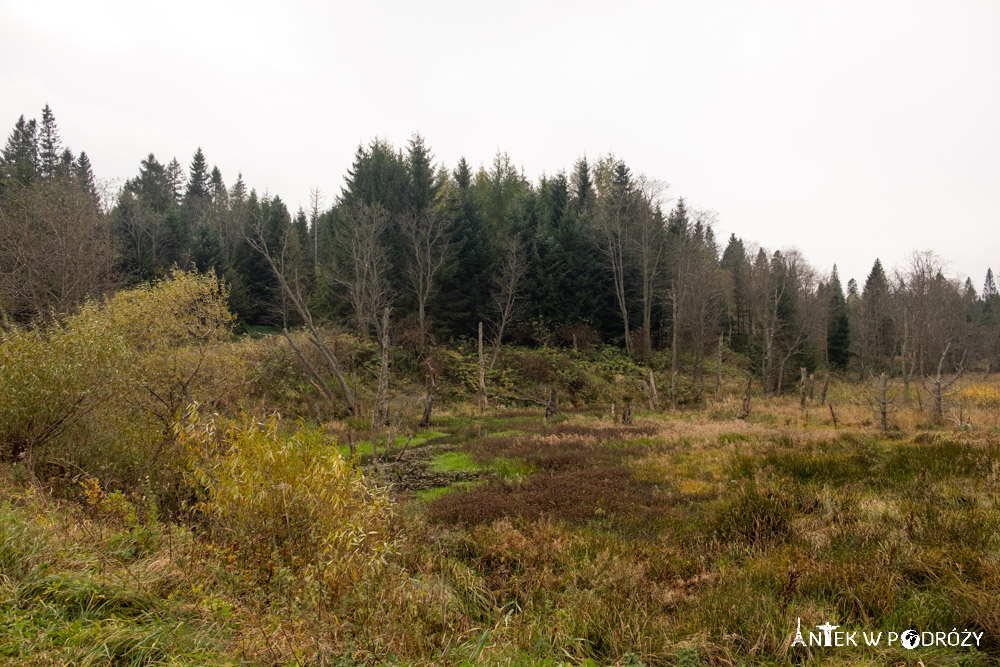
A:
{"points": [[694, 536]]}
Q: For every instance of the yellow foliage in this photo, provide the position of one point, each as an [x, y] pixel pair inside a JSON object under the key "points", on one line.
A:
{"points": [[101, 391], [981, 396], [287, 500]]}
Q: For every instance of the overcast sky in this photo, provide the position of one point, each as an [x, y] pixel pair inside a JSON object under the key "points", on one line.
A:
{"points": [[851, 130]]}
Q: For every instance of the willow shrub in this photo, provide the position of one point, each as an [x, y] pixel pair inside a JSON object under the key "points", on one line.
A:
{"points": [[100, 392], [286, 505]]}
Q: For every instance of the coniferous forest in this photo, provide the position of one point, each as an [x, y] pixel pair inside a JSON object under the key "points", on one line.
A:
{"points": [[450, 415], [593, 254]]}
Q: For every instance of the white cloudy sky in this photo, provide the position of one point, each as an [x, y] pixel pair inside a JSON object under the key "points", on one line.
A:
{"points": [[848, 129]]}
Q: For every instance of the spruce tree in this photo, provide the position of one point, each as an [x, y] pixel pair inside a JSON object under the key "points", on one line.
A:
{"points": [[838, 339], [20, 155], [84, 174], [49, 145], [989, 287], [175, 179], [198, 178]]}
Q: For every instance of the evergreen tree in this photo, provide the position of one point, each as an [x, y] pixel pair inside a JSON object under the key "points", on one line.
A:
{"points": [[465, 282], [989, 287], [736, 264], [84, 174], [49, 145], [198, 178], [20, 155], [875, 339], [422, 186], [838, 338], [175, 180]]}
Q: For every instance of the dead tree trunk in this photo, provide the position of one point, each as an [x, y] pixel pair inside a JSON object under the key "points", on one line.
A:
{"points": [[550, 404], [673, 353], [650, 386], [826, 385], [483, 403], [380, 406], [718, 370], [425, 421], [627, 413], [745, 408], [939, 385], [802, 388], [883, 402]]}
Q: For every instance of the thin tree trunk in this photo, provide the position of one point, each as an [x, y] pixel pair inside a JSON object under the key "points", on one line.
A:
{"points": [[380, 406], [718, 370], [425, 421], [654, 399], [883, 404], [673, 351], [802, 388], [826, 385], [483, 403]]}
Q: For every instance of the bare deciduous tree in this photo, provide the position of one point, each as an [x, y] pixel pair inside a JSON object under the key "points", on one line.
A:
{"points": [[428, 242], [611, 229], [649, 247], [363, 263], [291, 289], [55, 249], [506, 287]]}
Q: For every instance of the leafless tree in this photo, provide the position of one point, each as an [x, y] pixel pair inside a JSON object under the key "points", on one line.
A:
{"points": [[361, 269], [939, 385], [506, 288], [932, 313], [428, 241], [611, 227], [290, 283], [648, 247], [55, 249], [882, 399]]}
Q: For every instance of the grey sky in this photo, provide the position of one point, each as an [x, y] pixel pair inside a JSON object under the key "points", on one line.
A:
{"points": [[847, 129]]}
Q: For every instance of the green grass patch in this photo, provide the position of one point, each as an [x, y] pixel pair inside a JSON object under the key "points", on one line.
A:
{"points": [[512, 471], [427, 495], [364, 447], [454, 462]]}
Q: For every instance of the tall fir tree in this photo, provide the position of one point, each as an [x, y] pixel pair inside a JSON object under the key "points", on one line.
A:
{"points": [[20, 155], [49, 145], [838, 334]]}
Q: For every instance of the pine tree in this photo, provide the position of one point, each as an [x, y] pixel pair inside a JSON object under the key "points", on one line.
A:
{"points": [[175, 179], [989, 287], [875, 339], [151, 186], [198, 178], [20, 155], [67, 161], [735, 262], [838, 338], [84, 174], [422, 185], [49, 145]]}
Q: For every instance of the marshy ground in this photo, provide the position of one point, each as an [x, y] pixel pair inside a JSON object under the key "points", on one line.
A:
{"points": [[687, 539]]}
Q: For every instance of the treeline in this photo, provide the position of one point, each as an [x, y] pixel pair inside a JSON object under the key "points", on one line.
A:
{"points": [[596, 254]]}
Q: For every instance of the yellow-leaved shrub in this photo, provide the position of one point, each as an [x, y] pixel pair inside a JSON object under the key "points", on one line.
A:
{"points": [[100, 392], [286, 504]]}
